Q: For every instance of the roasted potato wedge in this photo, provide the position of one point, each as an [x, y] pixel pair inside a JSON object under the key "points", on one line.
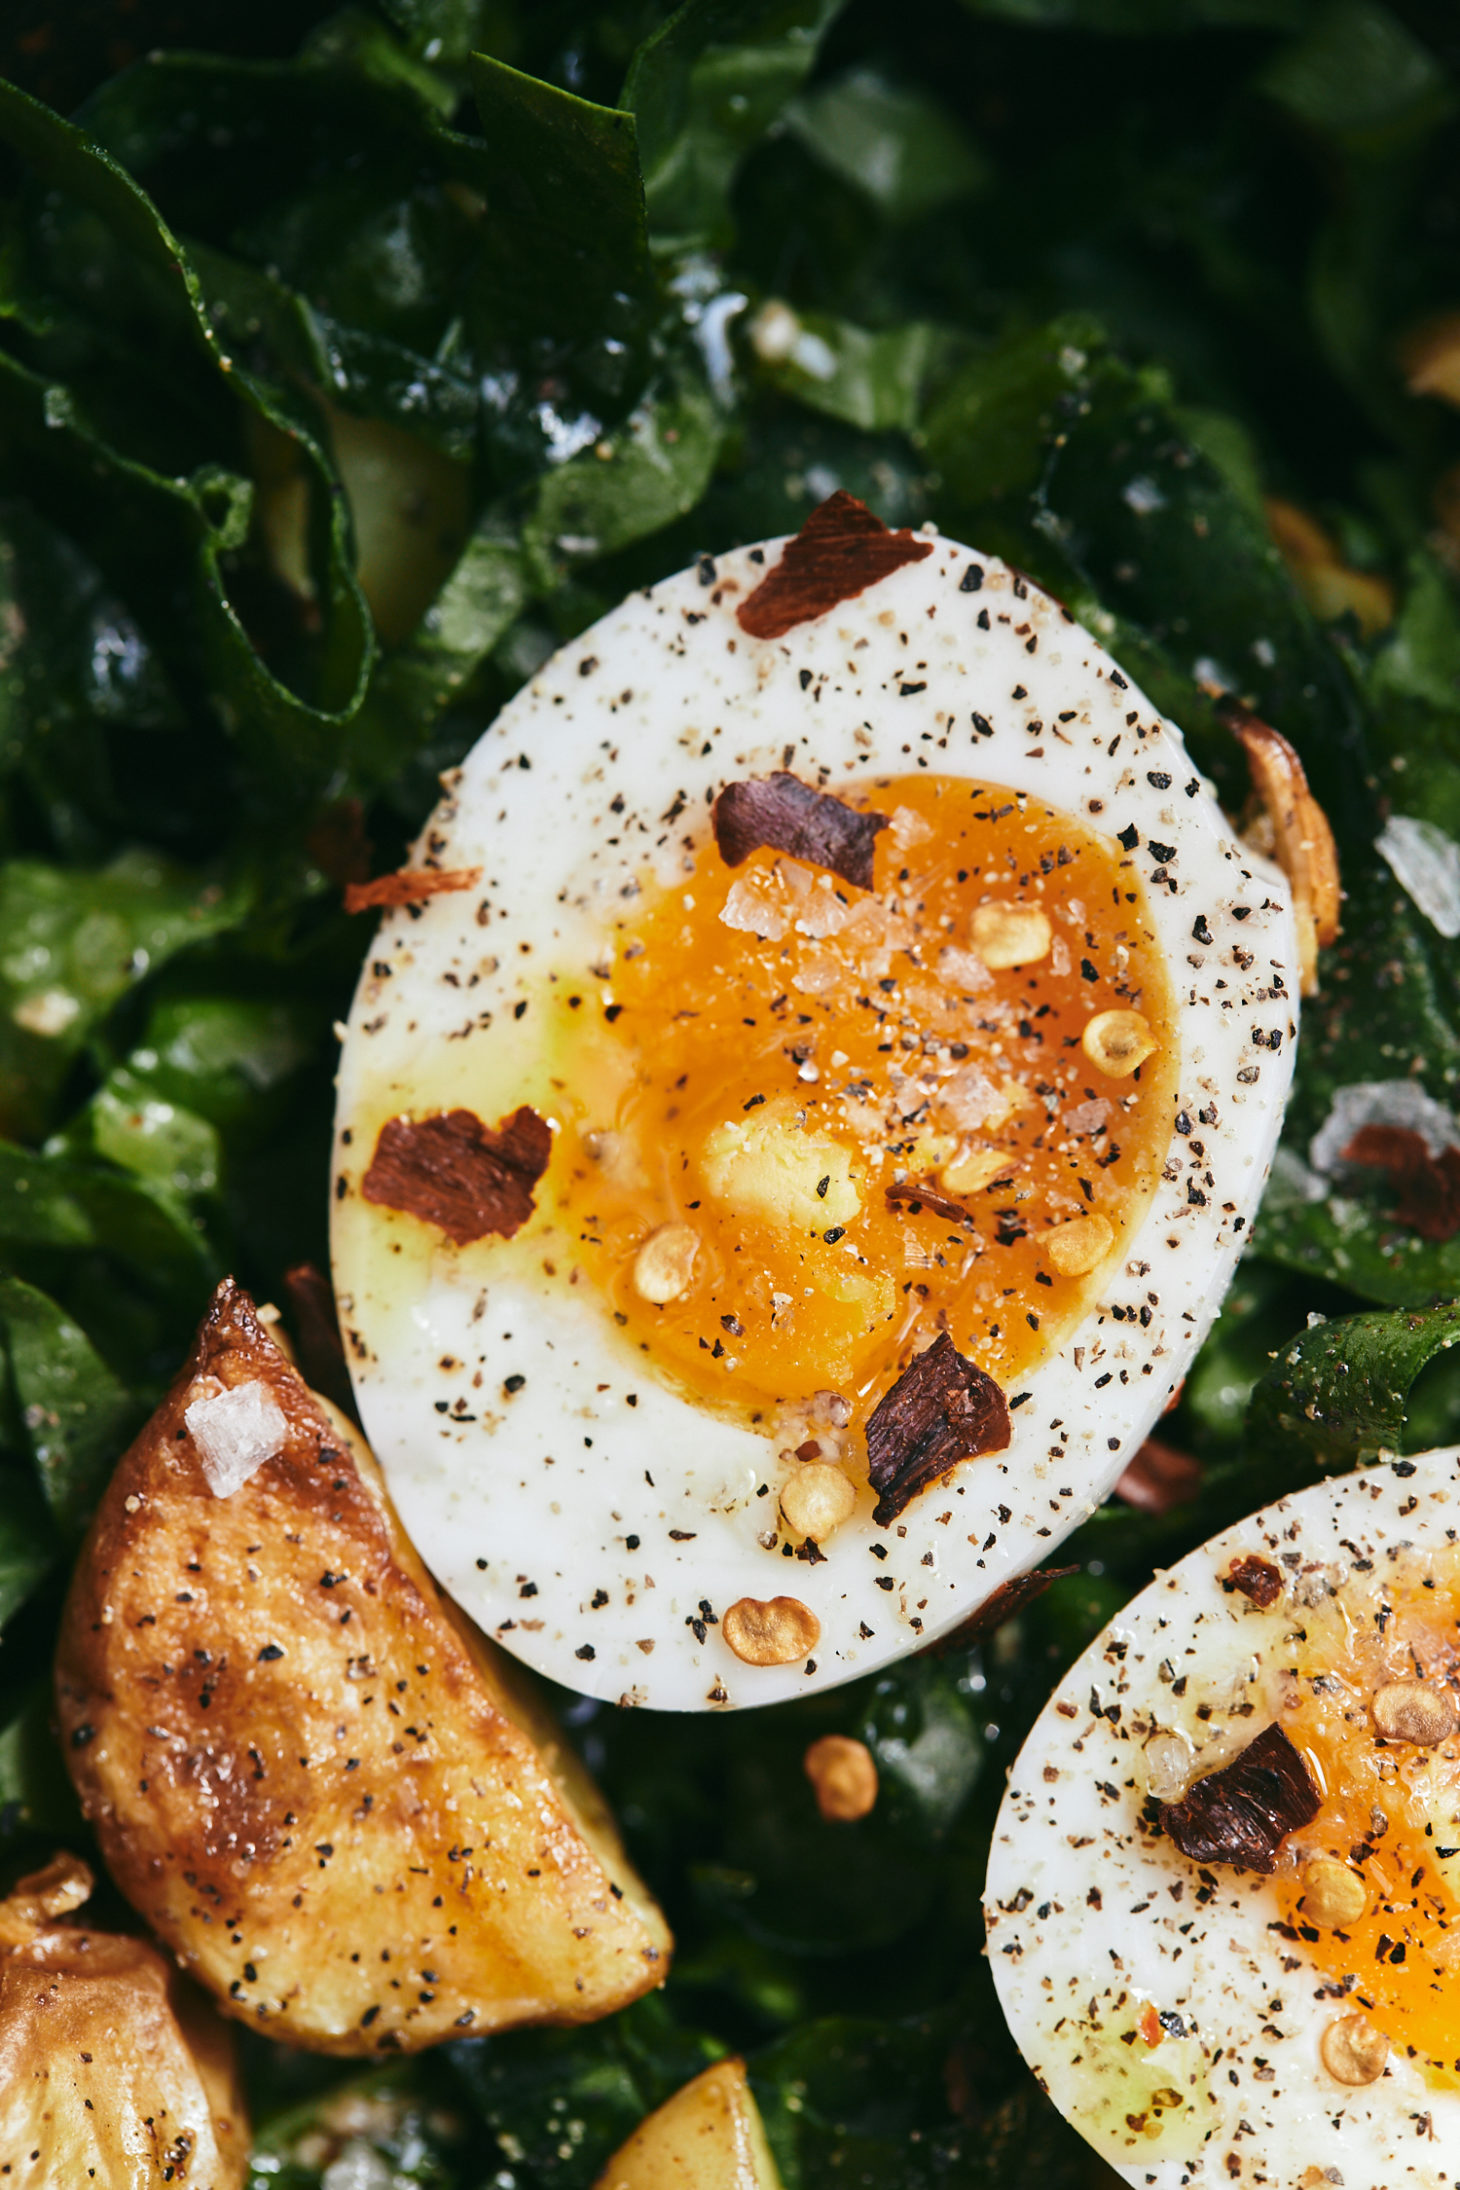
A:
{"points": [[325, 1791], [114, 2073], [709, 2136]]}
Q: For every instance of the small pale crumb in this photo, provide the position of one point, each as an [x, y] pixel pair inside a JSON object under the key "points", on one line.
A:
{"points": [[816, 1499], [844, 1777], [1117, 1041], [1352, 2050], [1077, 1247], [1412, 1711], [1010, 935], [664, 1266], [975, 1169], [1333, 1894], [776, 1631]]}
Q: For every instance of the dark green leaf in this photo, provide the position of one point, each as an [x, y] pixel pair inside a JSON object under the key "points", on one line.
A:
{"points": [[1357, 73], [36, 1796], [871, 380], [1340, 1388], [29, 1545], [70, 945], [657, 467], [568, 172], [704, 90], [901, 148], [527, 2084], [73, 1411], [50, 1203]]}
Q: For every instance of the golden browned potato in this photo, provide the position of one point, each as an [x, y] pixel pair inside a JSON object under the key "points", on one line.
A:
{"points": [[307, 1771], [114, 2073], [709, 2136]]}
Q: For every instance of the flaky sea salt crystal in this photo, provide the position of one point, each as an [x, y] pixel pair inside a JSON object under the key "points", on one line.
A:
{"points": [[235, 1433], [1086, 1117], [963, 970], [822, 912], [908, 828], [971, 1099], [749, 907], [1381, 1102], [1426, 863]]}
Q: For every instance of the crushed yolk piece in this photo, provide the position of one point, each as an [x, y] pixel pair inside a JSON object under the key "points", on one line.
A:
{"points": [[782, 1049], [1391, 1809]]}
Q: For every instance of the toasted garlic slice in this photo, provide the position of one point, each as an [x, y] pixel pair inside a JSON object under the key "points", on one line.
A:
{"points": [[1077, 1247], [1352, 2050], [843, 1776], [1010, 935], [1332, 1893], [1117, 1041], [665, 1263], [1302, 838], [777, 1631], [978, 1168], [1412, 1711], [816, 1499]]}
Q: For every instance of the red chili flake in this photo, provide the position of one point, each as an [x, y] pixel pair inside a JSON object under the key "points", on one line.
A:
{"points": [[1159, 1478], [455, 1172], [409, 886], [1257, 1579], [1150, 2025], [1242, 1814], [1428, 1186], [787, 815], [942, 1409], [839, 551]]}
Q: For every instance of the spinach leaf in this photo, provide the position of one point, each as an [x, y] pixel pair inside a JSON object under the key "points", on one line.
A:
{"points": [[704, 89], [530, 2086], [1339, 1389], [74, 1413], [71, 944]]}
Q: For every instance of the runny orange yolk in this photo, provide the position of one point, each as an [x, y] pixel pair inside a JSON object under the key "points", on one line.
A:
{"points": [[1391, 1811], [783, 1049]]}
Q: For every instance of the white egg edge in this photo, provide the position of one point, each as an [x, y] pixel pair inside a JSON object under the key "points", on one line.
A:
{"points": [[675, 648], [1051, 1951]]}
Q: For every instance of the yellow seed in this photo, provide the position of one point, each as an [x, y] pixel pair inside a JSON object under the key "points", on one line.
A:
{"points": [[1411, 1711], [971, 1173], [844, 1776], [774, 1632], [816, 1499], [665, 1263], [1010, 935], [1077, 1247], [1352, 2050], [1117, 1041], [1333, 1895]]}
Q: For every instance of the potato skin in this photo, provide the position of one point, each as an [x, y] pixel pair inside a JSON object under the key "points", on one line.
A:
{"points": [[708, 2136], [306, 1771], [114, 2073]]}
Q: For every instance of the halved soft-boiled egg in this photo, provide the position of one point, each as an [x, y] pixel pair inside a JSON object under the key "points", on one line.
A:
{"points": [[799, 1117], [1224, 1896]]}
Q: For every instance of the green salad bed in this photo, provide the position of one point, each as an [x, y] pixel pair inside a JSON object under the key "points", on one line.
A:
{"points": [[348, 365]]}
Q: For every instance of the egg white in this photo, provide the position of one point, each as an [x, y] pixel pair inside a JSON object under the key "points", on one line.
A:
{"points": [[1083, 1924], [606, 764]]}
